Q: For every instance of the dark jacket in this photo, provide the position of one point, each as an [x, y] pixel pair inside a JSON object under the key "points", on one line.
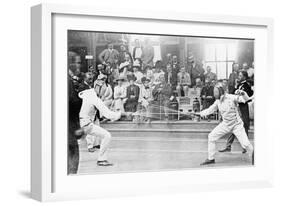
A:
{"points": [[243, 107]]}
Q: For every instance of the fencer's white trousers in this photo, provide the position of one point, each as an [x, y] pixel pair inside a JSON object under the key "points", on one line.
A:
{"points": [[95, 133], [222, 129]]}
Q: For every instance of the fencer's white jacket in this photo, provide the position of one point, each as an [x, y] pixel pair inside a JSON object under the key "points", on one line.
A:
{"points": [[90, 104], [228, 108]]}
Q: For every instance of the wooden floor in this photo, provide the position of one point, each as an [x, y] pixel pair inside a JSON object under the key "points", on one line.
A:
{"points": [[151, 152]]}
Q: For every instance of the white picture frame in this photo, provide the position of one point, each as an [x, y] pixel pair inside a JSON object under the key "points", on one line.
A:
{"points": [[49, 183]]}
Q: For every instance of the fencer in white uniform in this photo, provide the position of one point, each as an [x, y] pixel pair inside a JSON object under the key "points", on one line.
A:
{"points": [[227, 104], [90, 105]]}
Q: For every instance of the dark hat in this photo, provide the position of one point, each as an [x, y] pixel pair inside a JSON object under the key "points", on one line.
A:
{"points": [[144, 79], [131, 77]]}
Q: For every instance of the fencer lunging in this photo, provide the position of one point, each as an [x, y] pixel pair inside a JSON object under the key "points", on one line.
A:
{"points": [[227, 104], [90, 105]]}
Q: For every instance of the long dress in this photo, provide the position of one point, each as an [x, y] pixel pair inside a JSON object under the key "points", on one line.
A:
{"points": [[132, 98]]}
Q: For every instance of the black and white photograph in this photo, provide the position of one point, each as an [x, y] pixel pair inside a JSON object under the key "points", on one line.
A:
{"points": [[156, 102]]}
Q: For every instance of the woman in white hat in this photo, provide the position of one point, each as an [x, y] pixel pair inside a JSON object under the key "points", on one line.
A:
{"points": [[120, 93]]}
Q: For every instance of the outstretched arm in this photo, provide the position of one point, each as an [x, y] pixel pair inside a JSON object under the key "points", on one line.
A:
{"points": [[91, 96], [209, 110]]}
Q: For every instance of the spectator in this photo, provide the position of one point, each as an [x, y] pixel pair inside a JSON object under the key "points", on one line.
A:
{"points": [[87, 82], [148, 53], [123, 53], [137, 50], [132, 95], [232, 81], [103, 90], [245, 66], [137, 73], [162, 94], [184, 82], [209, 74], [175, 64], [109, 55], [168, 59], [207, 95], [171, 76], [125, 66], [120, 93], [145, 99], [195, 70], [158, 72]]}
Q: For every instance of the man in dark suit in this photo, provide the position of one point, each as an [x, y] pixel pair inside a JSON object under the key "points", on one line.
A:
{"points": [[243, 107], [74, 105]]}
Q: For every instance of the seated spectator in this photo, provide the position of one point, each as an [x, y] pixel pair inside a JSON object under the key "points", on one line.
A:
{"points": [[137, 74], [103, 90], [207, 95], [158, 72], [120, 93], [209, 74], [125, 66], [149, 74], [161, 95], [171, 76], [184, 82], [132, 95], [145, 99]]}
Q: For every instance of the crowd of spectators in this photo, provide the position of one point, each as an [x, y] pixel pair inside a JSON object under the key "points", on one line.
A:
{"points": [[134, 83]]}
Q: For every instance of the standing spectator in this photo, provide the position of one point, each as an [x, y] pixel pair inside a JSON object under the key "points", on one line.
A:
{"points": [[196, 70], [210, 75], [133, 92], [137, 50], [123, 53], [148, 53], [232, 81], [171, 76], [207, 95], [120, 93], [245, 66], [168, 59], [175, 64], [243, 107], [109, 55], [184, 82], [162, 94]]}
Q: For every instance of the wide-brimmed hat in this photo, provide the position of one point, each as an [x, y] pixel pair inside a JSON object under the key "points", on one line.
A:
{"points": [[102, 76], [136, 64], [121, 78]]}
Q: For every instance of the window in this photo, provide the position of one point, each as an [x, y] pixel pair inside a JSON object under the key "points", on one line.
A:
{"points": [[220, 57]]}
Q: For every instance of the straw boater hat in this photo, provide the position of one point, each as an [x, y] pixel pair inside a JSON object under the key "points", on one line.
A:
{"points": [[102, 76]]}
